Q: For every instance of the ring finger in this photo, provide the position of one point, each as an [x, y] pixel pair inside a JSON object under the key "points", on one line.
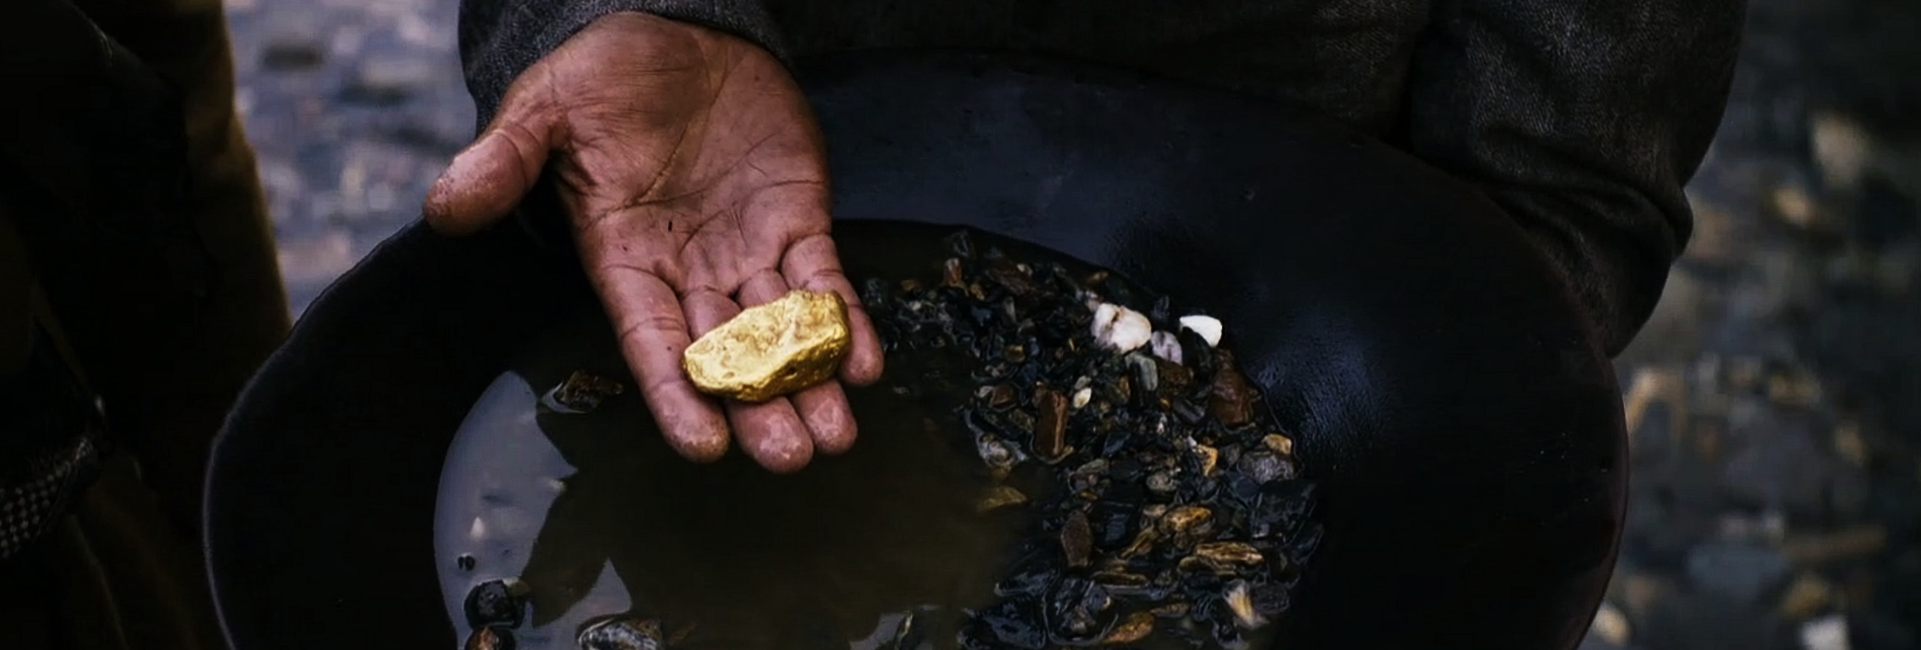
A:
{"points": [[770, 431]]}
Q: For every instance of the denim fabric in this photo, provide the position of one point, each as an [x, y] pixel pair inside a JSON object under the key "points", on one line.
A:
{"points": [[1583, 119]]}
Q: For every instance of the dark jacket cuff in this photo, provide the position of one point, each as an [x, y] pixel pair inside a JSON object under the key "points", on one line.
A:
{"points": [[501, 38]]}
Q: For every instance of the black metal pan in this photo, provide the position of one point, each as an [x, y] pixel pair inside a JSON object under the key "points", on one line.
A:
{"points": [[1458, 412]]}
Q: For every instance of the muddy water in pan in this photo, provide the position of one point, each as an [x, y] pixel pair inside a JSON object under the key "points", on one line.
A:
{"points": [[597, 516]]}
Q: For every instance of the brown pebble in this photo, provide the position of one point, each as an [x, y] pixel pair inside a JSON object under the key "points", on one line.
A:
{"points": [[1018, 280], [1208, 457], [1611, 625], [1230, 399], [1849, 543], [1077, 539], [1641, 593], [1000, 397], [488, 638], [1849, 444], [1188, 524], [1172, 610], [1133, 628], [951, 273], [1175, 380], [1809, 594], [998, 497], [1281, 444], [1240, 601], [1229, 553], [1050, 428]]}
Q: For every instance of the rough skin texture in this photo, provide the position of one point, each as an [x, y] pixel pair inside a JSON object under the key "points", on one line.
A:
{"points": [[1583, 120]]}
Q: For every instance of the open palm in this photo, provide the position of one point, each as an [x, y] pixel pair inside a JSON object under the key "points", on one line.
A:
{"points": [[693, 173]]}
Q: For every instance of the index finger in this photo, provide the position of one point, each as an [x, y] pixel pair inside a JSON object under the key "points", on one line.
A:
{"points": [[653, 335], [812, 263]]}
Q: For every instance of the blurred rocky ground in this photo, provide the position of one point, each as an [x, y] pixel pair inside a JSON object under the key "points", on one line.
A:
{"points": [[1774, 400], [354, 106]]}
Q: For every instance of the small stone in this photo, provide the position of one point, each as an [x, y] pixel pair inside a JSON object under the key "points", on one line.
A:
{"points": [[1281, 444], [625, 632], [1131, 629], [1208, 327], [1714, 239], [1611, 625], [1823, 548], [1849, 445], [582, 392], [1077, 540], [1240, 601], [1166, 346], [1121, 329], [1809, 594], [1825, 633], [1228, 554], [1231, 399], [1082, 397], [774, 349], [1653, 386], [1050, 426], [1740, 571], [490, 638], [1770, 527], [496, 603], [1208, 456], [1842, 149], [1799, 389], [998, 497], [1263, 466], [1641, 592], [1794, 206]]}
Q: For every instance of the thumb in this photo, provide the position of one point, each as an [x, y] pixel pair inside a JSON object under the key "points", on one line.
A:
{"points": [[487, 179]]}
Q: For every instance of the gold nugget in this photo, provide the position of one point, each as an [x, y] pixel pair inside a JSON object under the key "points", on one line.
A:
{"points": [[773, 349]]}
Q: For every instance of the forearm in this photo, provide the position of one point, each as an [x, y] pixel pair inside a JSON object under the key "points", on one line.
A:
{"points": [[1584, 121], [501, 38]]}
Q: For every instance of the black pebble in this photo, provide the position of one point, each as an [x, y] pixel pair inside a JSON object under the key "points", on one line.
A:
{"points": [[495, 603]]}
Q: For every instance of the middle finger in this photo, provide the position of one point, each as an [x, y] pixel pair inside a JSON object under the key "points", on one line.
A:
{"points": [[769, 431], [822, 407]]}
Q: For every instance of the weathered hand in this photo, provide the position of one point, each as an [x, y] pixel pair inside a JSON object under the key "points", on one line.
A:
{"points": [[692, 170]]}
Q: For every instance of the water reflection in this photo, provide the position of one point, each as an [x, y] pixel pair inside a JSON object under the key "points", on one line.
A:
{"points": [[748, 559]]}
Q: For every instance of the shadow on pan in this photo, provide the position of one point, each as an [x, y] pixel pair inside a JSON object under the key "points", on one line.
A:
{"points": [[1462, 421]]}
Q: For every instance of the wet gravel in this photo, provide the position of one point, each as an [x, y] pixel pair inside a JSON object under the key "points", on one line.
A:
{"points": [[1774, 400]]}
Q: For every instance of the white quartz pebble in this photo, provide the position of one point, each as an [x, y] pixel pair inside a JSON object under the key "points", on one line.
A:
{"points": [[1611, 625], [1083, 396], [1208, 327], [1165, 346], [1121, 329], [1827, 633]]}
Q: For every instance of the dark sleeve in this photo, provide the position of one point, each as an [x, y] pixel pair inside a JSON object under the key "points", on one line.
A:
{"points": [[500, 38], [1583, 120]]}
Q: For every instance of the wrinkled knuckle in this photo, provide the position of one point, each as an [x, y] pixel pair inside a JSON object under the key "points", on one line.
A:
{"points": [[648, 328], [702, 292]]}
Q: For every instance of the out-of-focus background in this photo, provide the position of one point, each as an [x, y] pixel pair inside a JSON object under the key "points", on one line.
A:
{"points": [[1775, 399]]}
